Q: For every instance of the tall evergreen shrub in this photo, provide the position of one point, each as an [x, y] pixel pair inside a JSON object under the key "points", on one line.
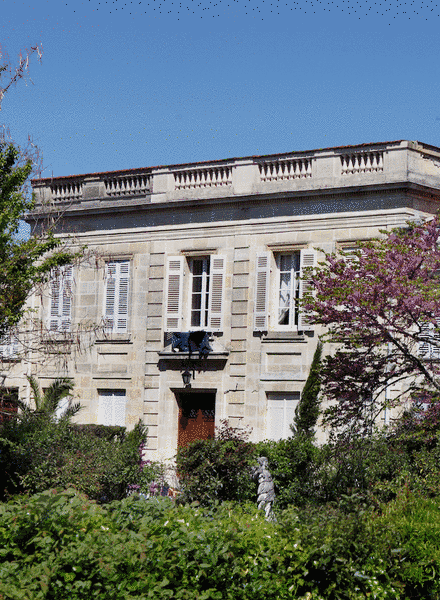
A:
{"points": [[307, 411]]}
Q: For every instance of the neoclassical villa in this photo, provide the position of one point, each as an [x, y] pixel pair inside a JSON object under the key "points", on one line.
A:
{"points": [[196, 279]]}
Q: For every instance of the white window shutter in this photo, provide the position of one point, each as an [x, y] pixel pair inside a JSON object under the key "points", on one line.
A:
{"points": [[216, 291], [66, 307], [123, 289], [61, 290], [308, 258], [281, 414], [111, 408], [116, 296], [105, 409], [275, 419], [110, 296], [119, 404], [173, 301], [262, 292], [429, 347]]}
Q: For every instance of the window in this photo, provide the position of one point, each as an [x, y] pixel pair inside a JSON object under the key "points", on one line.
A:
{"points": [[61, 292], [198, 284], [9, 348], [277, 297], [199, 268], [281, 413], [111, 409], [287, 289], [117, 279]]}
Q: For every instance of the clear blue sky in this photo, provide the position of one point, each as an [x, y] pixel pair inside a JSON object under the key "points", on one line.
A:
{"points": [[128, 84]]}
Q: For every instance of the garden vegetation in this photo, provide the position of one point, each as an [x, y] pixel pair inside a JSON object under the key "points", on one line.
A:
{"points": [[83, 516]]}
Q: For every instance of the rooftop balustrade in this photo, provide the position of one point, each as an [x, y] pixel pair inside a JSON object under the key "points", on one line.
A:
{"points": [[323, 169]]}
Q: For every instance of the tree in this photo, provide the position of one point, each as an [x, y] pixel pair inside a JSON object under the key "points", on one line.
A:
{"points": [[307, 411], [49, 402], [25, 264], [381, 308]]}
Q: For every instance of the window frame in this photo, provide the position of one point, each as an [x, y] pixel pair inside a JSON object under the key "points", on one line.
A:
{"points": [[205, 277], [179, 292], [267, 288], [293, 306]]}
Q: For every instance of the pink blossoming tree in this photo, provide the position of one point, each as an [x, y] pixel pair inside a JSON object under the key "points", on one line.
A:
{"points": [[380, 306]]}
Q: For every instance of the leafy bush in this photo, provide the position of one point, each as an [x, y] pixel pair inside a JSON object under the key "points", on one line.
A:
{"points": [[217, 469], [294, 465], [38, 454], [58, 545]]}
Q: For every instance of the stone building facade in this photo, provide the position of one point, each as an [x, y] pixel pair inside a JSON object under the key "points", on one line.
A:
{"points": [[214, 247]]}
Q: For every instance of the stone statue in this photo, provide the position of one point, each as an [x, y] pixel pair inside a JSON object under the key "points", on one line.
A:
{"points": [[266, 493]]}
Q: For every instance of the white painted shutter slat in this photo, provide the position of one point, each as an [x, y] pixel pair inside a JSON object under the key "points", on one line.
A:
{"points": [[216, 291], [173, 302], [261, 292], [308, 258]]}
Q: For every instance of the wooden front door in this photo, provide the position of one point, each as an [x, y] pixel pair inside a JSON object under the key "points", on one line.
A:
{"points": [[196, 417]]}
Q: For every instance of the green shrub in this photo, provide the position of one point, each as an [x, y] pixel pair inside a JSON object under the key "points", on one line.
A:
{"points": [[294, 465], [217, 469], [307, 411], [58, 545], [38, 454]]}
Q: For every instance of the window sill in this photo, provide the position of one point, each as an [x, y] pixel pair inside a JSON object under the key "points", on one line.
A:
{"points": [[283, 336], [113, 338], [169, 355]]}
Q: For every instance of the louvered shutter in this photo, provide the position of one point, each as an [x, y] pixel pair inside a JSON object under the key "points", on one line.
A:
{"points": [[262, 292], [216, 291], [110, 296], [281, 408], [61, 289], [173, 302], [428, 334], [116, 296], [308, 258], [66, 299], [122, 284], [111, 408], [435, 348]]}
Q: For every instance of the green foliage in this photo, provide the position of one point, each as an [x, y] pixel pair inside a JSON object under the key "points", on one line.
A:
{"points": [[58, 545], [46, 403], [217, 469], [24, 264], [307, 411], [294, 465], [38, 453]]}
